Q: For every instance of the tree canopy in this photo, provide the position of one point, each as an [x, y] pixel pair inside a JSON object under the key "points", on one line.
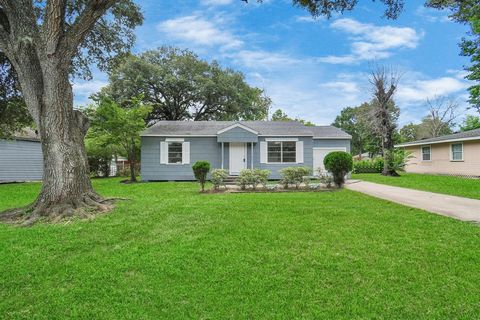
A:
{"points": [[181, 86], [280, 115], [470, 123]]}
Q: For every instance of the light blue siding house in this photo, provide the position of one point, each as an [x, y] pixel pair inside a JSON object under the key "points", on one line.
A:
{"points": [[21, 158], [169, 148]]}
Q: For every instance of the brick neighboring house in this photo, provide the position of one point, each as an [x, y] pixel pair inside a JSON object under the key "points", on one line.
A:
{"points": [[454, 154]]}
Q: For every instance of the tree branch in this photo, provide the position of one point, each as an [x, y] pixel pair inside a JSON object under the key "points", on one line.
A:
{"points": [[53, 28], [84, 23]]}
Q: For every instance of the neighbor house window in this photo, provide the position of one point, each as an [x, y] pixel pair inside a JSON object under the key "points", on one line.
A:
{"points": [[174, 152], [282, 151], [426, 153], [457, 151]]}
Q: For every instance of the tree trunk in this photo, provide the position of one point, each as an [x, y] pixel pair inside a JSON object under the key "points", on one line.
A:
{"points": [[66, 190]]}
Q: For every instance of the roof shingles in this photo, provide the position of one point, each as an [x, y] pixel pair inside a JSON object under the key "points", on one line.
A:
{"points": [[471, 134]]}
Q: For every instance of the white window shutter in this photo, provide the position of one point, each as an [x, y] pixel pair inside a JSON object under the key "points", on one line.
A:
{"points": [[263, 152], [186, 152], [163, 152], [299, 151]]}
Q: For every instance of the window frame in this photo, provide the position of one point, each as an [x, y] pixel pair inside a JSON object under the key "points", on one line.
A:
{"points": [[451, 152], [430, 153], [168, 153], [281, 151]]}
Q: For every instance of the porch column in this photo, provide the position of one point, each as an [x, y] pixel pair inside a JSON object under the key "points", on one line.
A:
{"points": [[251, 156], [223, 154]]}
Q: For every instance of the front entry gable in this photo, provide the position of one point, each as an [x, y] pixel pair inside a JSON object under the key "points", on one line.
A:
{"points": [[237, 133]]}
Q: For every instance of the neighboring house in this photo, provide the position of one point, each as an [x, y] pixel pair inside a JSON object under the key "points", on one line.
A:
{"points": [[21, 158], [454, 154], [169, 148]]}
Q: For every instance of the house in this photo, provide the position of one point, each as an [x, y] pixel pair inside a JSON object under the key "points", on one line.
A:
{"points": [[454, 154], [169, 148], [21, 158]]}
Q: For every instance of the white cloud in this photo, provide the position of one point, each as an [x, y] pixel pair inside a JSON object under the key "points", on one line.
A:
{"points": [[262, 59], [83, 90], [309, 18], [216, 2], [342, 86], [371, 42], [431, 15], [199, 31], [419, 90]]}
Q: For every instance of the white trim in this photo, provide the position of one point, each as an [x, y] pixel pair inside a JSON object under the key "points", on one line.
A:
{"points": [[421, 153], [251, 155], [330, 148], [186, 152], [451, 152], [179, 135], [223, 154], [174, 140], [237, 125], [436, 142], [280, 139], [332, 138]]}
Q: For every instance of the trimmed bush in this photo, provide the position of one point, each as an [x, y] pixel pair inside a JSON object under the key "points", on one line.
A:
{"points": [[368, 166], [253, 178], [218, 177], [200, 170], [339, 164], [294, 175]]}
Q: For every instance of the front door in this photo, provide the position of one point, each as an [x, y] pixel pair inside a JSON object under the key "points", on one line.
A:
{"points": [[238, 157]]}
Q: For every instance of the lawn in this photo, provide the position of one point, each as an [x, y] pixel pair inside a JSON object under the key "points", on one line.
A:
{"points": [[173, 253], [455, 186]]}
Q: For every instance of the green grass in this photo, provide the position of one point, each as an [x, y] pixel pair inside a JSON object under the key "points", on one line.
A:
{"points": [[455, 186], [173, 253]]}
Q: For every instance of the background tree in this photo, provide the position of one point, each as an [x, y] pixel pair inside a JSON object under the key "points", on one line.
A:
{"points": [[120, 126], [409, 132], [47, 41], [180, 86], [470, 123], [467, 12], [384, 82], [280, 115], [100, 152], [442, 113], [13, 111]]}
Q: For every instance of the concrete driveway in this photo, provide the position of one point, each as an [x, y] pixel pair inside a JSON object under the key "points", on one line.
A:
{"points": [[456, 207]]}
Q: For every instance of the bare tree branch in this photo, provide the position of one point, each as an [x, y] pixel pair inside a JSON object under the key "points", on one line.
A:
{"points": [[442, 114]]}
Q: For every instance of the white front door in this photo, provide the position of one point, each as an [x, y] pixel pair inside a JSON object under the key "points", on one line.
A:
{"points": [[237, 157], [319, 154]]}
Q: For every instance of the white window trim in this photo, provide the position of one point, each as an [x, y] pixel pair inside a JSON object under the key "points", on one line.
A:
{"points": [[451, 152], [421, 153], [280, 139], [174, 140], [281, 150]]}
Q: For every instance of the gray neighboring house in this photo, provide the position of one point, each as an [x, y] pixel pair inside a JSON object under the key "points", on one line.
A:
{"points": [[169, 148], [21, 158]]}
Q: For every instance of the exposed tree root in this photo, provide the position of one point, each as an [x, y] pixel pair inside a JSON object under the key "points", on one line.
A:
{"points": [[87, 206]]}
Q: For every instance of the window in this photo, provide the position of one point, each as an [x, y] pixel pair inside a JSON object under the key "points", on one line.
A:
{"points": [[175, 152], [426, 153], [282, 151], [457, 151]]}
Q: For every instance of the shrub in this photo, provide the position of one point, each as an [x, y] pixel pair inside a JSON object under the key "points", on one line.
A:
{"points": [[252, 177], [339, 164], [368, 166], [218, 177], [325, 178], [200, 170], [294, 175], [400, 159]]}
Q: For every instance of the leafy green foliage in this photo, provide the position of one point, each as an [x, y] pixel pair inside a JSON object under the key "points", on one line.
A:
{"points": [[117, 128], [180, 86], [14, 115], [368, 165], [217, 177], [280, 115], [339, 164], [470, 123], [200, 170], [294, 175]]}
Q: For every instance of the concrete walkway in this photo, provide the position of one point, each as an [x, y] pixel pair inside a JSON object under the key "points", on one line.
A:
{"points": [[456, 207]]}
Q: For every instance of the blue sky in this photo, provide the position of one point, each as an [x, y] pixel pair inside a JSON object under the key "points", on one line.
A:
{"points": [[312, 68]]}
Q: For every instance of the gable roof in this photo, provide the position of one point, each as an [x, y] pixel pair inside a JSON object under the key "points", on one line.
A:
{"points": [[264, 128], [460, 136]]}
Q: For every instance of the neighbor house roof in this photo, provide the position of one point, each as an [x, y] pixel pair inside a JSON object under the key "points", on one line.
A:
{"points": [[26, 134], [460, 136], [264, 128]]}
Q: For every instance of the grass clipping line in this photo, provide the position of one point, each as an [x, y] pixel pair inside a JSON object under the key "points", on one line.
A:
{"points": [[88, 207]]}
